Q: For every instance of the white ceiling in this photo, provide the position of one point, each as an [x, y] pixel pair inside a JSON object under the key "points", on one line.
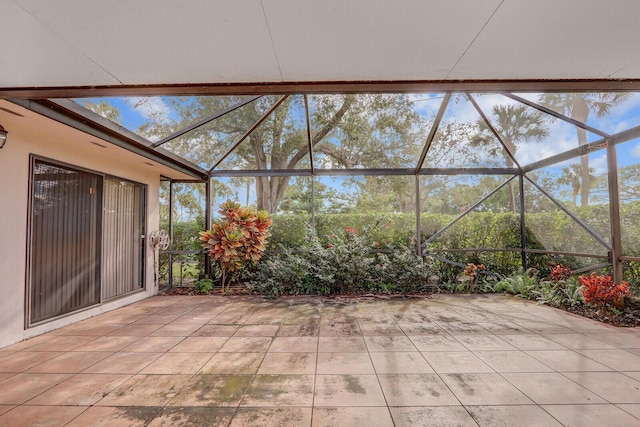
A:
{"points": [[70, 43]]}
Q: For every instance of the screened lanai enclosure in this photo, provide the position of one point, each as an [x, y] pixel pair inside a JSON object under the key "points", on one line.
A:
{"points": [[505, 179]]}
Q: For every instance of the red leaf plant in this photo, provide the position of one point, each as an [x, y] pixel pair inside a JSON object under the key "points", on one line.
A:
{"points": [[602, 291], [236, 239], [560, 272]]}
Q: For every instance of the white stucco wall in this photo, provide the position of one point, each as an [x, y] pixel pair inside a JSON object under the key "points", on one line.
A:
{"points": [[34, 134]]}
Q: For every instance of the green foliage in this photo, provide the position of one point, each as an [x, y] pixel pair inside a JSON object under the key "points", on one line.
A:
{"points": [[205, 285], [350, 263], [560, 293], [522, 283]]}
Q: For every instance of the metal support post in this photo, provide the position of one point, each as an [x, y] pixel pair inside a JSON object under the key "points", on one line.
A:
{"points": [[614, 213], [207, 224], [418, 226], [170, 234], [523, 224]]}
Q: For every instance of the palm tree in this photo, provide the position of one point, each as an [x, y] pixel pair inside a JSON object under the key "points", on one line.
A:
{"points": [[515, 124], [572, 176], [578, 106]]}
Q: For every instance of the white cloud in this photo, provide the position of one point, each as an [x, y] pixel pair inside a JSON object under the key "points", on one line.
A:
{"points": [[151, 108], [635, 151]]}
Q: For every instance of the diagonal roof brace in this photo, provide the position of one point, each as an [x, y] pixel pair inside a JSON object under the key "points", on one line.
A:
{"points": [[205, 120]]}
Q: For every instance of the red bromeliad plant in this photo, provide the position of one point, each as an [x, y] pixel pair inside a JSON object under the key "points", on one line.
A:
{"points": [[602, 291], [560, 272], [236, 239]]}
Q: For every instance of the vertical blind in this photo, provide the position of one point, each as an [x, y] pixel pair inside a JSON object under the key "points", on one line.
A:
{"points": [[86, 239], [122, 241], [65, 241]]}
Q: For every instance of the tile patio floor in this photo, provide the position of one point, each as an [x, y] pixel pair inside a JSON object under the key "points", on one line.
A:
{"points": [[235, 361]]}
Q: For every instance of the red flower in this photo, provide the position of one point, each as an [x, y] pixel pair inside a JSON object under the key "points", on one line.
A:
{"points": [[376, 244], [330, 245]]}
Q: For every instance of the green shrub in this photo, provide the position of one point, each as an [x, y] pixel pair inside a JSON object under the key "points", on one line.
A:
{"points": [[350, 263]]}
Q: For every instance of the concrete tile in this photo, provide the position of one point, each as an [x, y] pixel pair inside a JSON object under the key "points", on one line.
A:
{"points": [[98, 416], [443, 342], [501, 327], [531, 342], [352, 417], [288, 363], [455, 362], [177, 363], [123, 363], [552, 388], [416, 390], [421, 328], [432, 416], [212, 390], [246, 345], [344, 363], [400, 363], [348, 390], [21, 387], [567, 361], [71, 362], [279, 391], [108, 343], [136, 330], [23, 360], [192, 318], [153, 344], [192, 416], [544, 327], [578, 341], [213, 330], [612, 386], [80, 390], [621, 339], [146, 390], [302, 330], [272, 417], [507, 416], [175, 330], [257, 331], [34, 416], [380, 329], [62, 343], [511, 361], [6, 408], [591, 415], [462, 328], [294, 344], [233, 363], [633, 409], [199, 345], [341, 345], [158, 319], [335, 329], [388, 343], [635, 375], [483, 342], [620, 360], [93, 329], [484, 389]]}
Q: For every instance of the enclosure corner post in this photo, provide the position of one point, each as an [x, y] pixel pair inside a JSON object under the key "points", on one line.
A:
{"points": [[207, 224], [418, 237], [523, 229], [614, 212]]}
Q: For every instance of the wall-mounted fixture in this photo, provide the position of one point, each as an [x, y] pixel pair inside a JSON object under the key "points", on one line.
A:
{"points": [[3, 136]]}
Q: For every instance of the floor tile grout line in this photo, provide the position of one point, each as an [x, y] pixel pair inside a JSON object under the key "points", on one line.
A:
{"points": [[386, 401]]}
